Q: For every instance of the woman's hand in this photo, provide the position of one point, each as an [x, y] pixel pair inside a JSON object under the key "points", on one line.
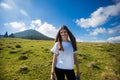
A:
{"points": [[52, 77], [77, 66], [78, 73]]}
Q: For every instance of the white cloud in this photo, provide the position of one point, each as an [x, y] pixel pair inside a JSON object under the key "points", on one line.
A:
{"points": [[44, 28], [5, 5], [79, 40], [15, 9], [97, 41], [48, 30], [35, 24], [100, 16], [116, 1], [97, 31], [16, 25], [23, 12], [114, 30], [114, 39]]}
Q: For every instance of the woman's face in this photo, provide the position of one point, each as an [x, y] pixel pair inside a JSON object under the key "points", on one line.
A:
{"points": [[64, 34]]}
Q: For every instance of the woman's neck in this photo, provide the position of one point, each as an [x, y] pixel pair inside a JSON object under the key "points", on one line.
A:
{"points": [[65, 40]]}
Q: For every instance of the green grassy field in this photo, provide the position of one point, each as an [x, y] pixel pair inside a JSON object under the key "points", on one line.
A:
{"points": [[22, 59]]}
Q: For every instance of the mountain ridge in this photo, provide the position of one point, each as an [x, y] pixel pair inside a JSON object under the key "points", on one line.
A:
{"points": [[31, 34]]}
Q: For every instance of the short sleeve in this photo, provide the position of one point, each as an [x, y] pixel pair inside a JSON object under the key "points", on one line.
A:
{"points": [[75, 51], [55, 48]]}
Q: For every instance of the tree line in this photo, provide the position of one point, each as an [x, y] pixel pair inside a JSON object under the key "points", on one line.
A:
{"points": [[6, 35]]}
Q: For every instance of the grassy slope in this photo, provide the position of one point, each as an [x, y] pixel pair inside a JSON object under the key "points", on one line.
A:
{"points": [[22, 59]]}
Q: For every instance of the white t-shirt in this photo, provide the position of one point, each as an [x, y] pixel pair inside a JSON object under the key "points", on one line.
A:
{"points": [[65, 59]]}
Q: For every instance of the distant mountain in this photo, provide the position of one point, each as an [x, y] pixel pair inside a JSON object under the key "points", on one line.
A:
{"points": [[32, 34]]}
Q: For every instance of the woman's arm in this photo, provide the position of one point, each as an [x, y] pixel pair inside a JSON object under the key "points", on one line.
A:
{"points": [[54, 63], [53, 66], [76, 63]]}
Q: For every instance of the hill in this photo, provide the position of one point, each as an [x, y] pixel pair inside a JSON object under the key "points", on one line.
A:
{"points": [[23, 59], [31, 34]]}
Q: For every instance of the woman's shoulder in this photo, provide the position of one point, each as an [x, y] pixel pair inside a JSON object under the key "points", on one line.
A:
{"points": [[56, 43]]}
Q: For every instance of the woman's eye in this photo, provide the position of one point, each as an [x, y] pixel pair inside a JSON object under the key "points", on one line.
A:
{"points": [[61, 32]]}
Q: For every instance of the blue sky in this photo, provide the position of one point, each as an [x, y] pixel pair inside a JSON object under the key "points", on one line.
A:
{"points": [[88, 20]]}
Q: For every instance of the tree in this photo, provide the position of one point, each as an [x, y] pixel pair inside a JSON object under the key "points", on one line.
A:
{"points": [[6, 34], [11, 35]]}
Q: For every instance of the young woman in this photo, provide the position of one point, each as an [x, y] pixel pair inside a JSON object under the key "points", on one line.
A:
{"points": [[65, 56]]}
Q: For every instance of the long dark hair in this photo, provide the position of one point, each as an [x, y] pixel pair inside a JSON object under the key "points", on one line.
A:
{"points": [[71, 36]]}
